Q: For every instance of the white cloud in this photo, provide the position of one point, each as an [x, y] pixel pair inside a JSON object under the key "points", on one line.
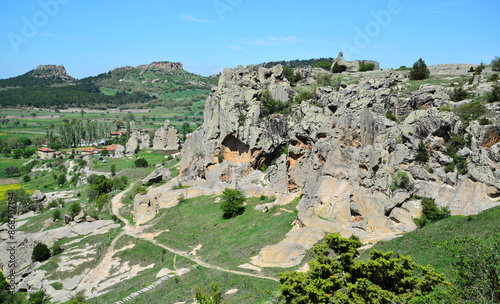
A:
{"points": [[234, 47], [190, 18]]}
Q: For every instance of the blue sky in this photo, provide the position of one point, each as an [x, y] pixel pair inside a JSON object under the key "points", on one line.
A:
{"points": [[91, 37]]}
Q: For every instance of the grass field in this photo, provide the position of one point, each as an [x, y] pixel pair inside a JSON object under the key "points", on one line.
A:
{"points": [[423, 245], [225, 242]]}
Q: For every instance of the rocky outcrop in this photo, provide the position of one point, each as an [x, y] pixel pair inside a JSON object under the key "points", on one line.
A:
{"points": [[165, 65], [166, 138], [341, 151], [138, 140], [119, 151], [158, 175], [38, 197], [52, 72], [352, 66]]}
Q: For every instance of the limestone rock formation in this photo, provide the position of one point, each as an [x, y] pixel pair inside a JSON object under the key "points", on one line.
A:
{"points": [[119, 151], [341, 152], [166, 65], [138, 140], [166, 138], [157, 175], [52, 71], [38, 196], [352, 66]]}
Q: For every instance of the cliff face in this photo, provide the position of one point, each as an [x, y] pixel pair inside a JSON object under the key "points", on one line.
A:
{"points": [[166, 65], [52, 71], [341, 151]]}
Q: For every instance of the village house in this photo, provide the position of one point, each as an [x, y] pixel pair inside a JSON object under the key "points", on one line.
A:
{"points": [[45, 153]]}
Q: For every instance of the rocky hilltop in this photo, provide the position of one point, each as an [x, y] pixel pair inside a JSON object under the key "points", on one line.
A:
{"points": [[344, 155], [52, 72], [165, 65]]}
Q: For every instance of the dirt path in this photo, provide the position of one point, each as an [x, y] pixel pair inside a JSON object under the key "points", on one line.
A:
{"points": [[133, 232]]}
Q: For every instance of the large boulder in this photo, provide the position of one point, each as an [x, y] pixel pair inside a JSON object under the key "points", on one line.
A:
{"points": [[144, 209], [138, 140], [166, 138], [158, 175], [38, 196], [119, 151]]}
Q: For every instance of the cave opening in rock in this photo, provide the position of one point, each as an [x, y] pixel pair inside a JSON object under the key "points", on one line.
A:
{"points": [[235, 150]]}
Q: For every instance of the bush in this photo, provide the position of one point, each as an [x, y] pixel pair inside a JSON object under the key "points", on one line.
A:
{"points": [[141, 163], [493, 78], [431, 212], [484, 121], [56, 215], [419, 70], [479, 69], [337, 68], [289, 74], [39, 297], [181, 198], [271, 106], [325, 65], [323, 79], [458, 94], [40, 253], [495, 64], [26, 178], [401, 181], [494, 95], [61, 179], [57, 249], [363, 67], [470, 111], [305, 96], [74, 209], [471, 70], [390, 116], [101, 201], [232, 203], [422, 154]]}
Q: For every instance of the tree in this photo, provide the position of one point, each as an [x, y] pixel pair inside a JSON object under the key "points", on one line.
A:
{"points": [[185, 130], [12, 171], [206, 298], [74, 209], [101, 184], [61, 179], [101, 201], [40, 253], [113, 170], [39, 297], [477, 269], [56, 215], [289, 74], [344, 279], [4, 289], [422, 154], [141, 163], [419, 70], [364, 67], [232, 203], [431, 212], [495, 64], [336, 68], [325, 65]]}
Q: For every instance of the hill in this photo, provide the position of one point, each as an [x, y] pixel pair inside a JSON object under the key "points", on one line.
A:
{"points": [[42, 76], [51, 86], [297, 63]]}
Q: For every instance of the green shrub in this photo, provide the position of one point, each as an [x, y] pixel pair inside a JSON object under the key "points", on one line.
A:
{"points": [[141, 163], [401, 181], [494, 95], [101, 201], [289, 74], [431, 212], [325, 65], [449, 167], [422, 154], [470, 111], [40, 253], [57, 249], [479, 69], [181, 198], [241, 119], [26, 178], [39, 297], [493, 78], [484, 121], [390, 116], [74, 209], [56, 215], [495, 64], [337, 68], [419, 70], [305, 96], [458, 94], [232, 203], [271, 106], [323, 79], [471, 70], [61, 179], [363, 67], [263, 168]]}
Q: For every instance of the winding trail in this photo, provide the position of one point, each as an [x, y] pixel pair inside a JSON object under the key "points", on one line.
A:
{"points": [[116, 204]]}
